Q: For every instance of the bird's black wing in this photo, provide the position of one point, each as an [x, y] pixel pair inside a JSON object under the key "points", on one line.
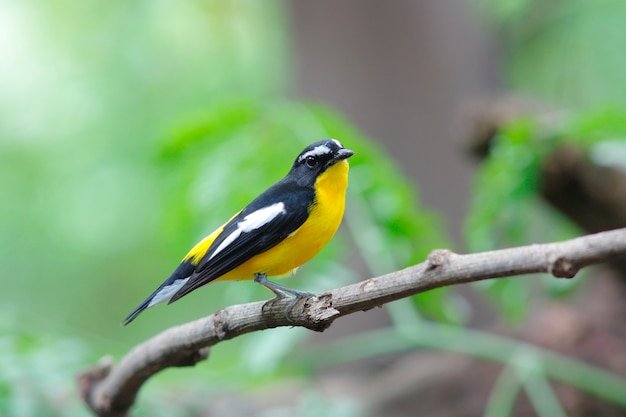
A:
{"points": [[263, 224]]}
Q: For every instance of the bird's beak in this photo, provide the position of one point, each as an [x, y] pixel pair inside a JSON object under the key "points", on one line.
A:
{"points": [[344, 154]]}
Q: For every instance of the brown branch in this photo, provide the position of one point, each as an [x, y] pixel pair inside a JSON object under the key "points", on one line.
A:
{"points": [[110, 390]]}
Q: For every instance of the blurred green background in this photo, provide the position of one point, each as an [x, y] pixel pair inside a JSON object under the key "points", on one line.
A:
{"points": [[129, 130]]}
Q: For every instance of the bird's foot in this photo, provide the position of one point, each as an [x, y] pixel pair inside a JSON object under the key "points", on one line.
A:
{"points": [[281, 292]]}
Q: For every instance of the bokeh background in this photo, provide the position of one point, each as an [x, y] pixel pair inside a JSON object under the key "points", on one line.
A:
{"points": [[129, 130]]}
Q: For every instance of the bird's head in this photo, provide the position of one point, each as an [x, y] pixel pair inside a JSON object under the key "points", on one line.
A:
{"points": [[318, 157]]}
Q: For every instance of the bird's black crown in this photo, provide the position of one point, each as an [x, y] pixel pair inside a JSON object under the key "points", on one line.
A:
{"points": [[321, 155]]}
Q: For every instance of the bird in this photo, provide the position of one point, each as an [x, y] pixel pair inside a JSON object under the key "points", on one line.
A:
{"points": [[277, 232]]}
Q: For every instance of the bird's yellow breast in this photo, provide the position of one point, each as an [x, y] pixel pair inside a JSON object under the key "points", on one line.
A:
{"points": [[324, 218]]}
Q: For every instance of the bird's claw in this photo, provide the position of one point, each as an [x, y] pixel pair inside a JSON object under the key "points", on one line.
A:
{"points": [[293, 300]]}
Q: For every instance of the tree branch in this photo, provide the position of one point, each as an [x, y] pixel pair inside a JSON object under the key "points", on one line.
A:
{"points": [[110, 390]]}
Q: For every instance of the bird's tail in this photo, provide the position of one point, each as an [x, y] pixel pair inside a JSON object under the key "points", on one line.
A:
{"points": [[160, 295], [141, 307]]}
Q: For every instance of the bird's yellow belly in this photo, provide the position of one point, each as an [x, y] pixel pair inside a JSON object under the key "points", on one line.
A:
{"points": [[306, 242]]}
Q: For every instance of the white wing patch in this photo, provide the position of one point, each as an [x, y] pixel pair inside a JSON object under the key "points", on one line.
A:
{"points": [[251, 222], [167, 292]]}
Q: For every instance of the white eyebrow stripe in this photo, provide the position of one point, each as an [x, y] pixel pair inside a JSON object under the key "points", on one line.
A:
{"points": [[337, 143], [252, 221], [317, 151]]}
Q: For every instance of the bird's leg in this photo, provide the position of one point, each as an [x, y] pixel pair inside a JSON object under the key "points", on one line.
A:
{"points": [[280, 291]]}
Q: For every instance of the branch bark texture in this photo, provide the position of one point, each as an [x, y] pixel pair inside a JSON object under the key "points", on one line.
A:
{"points": [[110, 389]]}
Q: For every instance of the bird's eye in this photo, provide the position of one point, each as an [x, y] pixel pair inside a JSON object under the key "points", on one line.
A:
{"points": [[311, 161]]}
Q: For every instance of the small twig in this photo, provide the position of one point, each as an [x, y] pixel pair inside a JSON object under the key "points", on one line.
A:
{"points": [[110, 390]]}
